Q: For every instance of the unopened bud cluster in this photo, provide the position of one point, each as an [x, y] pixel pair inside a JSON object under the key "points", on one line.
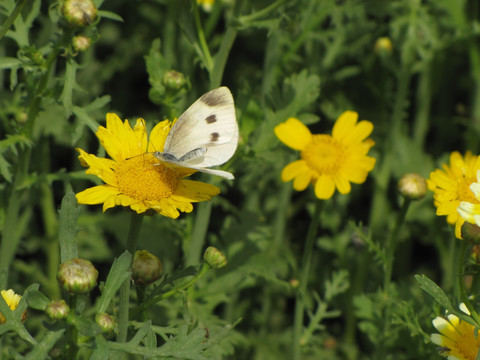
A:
{"points": [[77, 276], [146, 268], [106, 322], [57, 310], [214, 258], [79, 13], [412, 186]]}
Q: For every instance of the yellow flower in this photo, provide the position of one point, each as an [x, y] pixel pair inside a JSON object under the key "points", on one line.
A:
{"points": [[451, 186], [457, 339], [207, 5], [12, 301], [329, 162], [134, 177]]}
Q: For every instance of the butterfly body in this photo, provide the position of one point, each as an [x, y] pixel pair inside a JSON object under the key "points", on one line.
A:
{"points": [[205, 135]]}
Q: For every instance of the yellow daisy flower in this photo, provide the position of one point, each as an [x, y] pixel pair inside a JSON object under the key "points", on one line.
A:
{"points": [[134, 177], [451, 186], [458, 339], [329, 162], [12, 301]]}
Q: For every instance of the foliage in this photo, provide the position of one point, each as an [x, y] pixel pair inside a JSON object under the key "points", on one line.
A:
{"points": [[375, 257]]}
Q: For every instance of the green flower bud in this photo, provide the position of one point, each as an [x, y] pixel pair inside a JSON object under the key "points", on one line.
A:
{"points": [[57, 310], [174, 80], [471, 232], [214, 258], [81, 43], [77, 276], [79, 13], [412, 186], [106, 322], [146, 268]]}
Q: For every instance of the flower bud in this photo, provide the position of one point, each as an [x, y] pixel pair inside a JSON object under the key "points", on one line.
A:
{"points": [[383, 46], [214, 258], [12, 301], [412, 186], [77, 276], [174, 80], [106, 322], [471, 232], [57, 310], [79, 13], [207, 5], [81, 43], [146, 268]]}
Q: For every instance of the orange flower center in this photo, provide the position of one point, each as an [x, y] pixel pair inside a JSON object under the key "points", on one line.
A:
{"points": [[463, 190], [144, 179], [324, 154]]}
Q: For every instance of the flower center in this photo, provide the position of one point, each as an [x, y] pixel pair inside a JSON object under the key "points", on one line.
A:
{"points": [[324, 154], [463, 190], [142, 178]]}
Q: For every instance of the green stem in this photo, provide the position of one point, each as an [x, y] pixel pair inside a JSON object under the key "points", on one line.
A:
{"points": [[72, 332], [11, 18], [199, 233], [203, 270], [391, 245], [135, 225], [207, 57], [461, 283], [303, 279]]}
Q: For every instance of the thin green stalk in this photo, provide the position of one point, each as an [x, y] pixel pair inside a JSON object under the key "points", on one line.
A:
{"points": [[392, 243], [303, 279], [199, 233], [72, 332], [11, 18], [207, 57], [124, 297], [203, 270], [464, 246]]}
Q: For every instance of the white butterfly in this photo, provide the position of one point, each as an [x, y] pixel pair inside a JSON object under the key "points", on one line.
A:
{"points": [[205, 135]]}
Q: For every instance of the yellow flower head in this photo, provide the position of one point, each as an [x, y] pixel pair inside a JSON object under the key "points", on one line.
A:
{"points": [[458, 339], [134, 177], [329, 162], [451, 186], [12, 301]]}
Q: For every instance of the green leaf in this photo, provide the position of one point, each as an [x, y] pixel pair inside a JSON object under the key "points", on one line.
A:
{"points": [[84, 325], [9, 62], [41, 350], [37, 300], [101, 349], [110, 15], [68, 215], [5, 169], [435, 292], [70, 85], [116, 277]]}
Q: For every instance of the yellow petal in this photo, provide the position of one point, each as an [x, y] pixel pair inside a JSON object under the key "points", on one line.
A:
{"points": [[342, 184], [294, 134], [158, 135], [96, 195], [293, 169], [141, 137], [101, 167], [344, 124], [302, 180], [194, 191], [358, 133], [324, 187]]}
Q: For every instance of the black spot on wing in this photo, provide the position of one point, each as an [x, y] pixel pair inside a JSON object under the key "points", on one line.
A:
{"points": [[211, 119], [214, 137], [213, 98]]}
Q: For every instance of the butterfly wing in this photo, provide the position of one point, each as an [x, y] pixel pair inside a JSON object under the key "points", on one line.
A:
{"points": [[208, 124]]}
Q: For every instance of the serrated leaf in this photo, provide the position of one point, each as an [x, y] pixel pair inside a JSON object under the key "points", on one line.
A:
{"points": [[67, 232], [101, 349], [5, 169], [116, 277]]}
